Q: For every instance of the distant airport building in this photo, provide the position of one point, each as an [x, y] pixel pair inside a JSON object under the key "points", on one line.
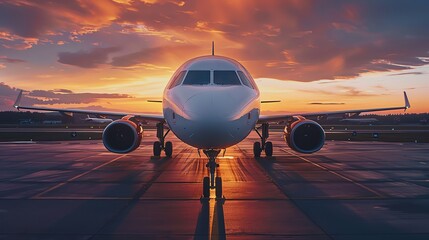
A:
{"points": [[25, 121], [52, 122]]}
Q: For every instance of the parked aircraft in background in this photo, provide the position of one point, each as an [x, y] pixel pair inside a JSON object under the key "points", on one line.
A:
{"points": [[211, 103], [97, 120], [359, 120]]}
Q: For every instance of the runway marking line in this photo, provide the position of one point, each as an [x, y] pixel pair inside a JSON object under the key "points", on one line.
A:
{"points": [[333, 172], [39, 195]]}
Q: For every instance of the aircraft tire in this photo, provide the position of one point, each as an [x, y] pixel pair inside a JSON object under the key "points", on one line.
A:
{"points": [[257, 149], [168, 149], [269, 149], [157, 149]]}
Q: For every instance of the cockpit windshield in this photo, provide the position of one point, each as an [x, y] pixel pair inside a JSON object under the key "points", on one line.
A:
{"points": [[244, 79], [197, 77], [177, 79], [226, 78]]}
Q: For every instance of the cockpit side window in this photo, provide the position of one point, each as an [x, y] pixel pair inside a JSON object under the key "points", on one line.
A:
{"points": [[178, 79], [197, 77], [244, 79], [226, 78]]}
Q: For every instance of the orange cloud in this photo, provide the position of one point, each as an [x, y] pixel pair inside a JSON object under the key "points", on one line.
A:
{"points": [[35, 19], [113, 44], [320, 39]]}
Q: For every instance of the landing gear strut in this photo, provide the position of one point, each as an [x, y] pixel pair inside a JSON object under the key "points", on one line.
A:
{"points": [[160, 145], [263, 145], [212, 182]]}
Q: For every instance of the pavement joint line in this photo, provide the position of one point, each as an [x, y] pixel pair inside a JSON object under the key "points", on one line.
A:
{"points": [[335, 173], [137, 196], [83, 198], [260, 166], [293, 201], [76, 177], [77, 160], [228, 199]]}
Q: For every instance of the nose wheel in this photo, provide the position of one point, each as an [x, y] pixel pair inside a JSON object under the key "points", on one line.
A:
{"points": [[265, 146], [157, 148], [160, 145], [212, 181]]}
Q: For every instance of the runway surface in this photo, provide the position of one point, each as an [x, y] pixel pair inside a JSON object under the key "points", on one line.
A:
{"points": [[348, 190]]}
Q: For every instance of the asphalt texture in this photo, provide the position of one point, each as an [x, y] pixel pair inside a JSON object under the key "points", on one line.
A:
{"points": [[348, 190]]}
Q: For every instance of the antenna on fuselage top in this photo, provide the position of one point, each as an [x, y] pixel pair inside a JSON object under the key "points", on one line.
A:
{"points": [[212, 48]]}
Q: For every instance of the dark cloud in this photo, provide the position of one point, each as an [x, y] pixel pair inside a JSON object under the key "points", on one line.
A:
{"points": [[353, 91], [35, 18], [87, 59], [54, 97], [347, 91], [406, 73], [166, 55], [24, 20], [6, 90], [10, 60], [326, 103], [62, 91], [302, 40], [8, 95]]}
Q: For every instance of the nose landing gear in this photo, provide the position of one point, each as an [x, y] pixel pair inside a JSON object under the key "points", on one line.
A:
{"points": [[212, 182], [160, 145], [263, 145]]}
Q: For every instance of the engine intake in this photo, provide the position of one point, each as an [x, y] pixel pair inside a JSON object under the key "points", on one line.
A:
{"points": [[122, 136], [305, 136]]}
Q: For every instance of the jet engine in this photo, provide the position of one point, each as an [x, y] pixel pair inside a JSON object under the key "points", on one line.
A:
{"points": [[122, 136], [304, 136]]}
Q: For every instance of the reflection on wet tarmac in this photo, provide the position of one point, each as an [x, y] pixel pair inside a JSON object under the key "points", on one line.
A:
{"points": [[348, 190], [211, 220]]}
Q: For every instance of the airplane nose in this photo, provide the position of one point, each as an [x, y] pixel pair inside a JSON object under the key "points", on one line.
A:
{"points": [[216, 106], [210, 114], [199, 107]]}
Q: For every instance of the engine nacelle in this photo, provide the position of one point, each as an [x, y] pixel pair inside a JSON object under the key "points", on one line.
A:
{"points": [[122, 136], [305, 136]]}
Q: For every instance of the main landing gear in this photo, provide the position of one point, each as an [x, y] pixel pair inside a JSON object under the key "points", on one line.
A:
{"points": [[212, 182], [160, 145], [263, 145]]}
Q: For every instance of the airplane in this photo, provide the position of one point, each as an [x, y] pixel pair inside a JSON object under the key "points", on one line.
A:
{"points": [[97, 120], [212, 103], [360, 120]]}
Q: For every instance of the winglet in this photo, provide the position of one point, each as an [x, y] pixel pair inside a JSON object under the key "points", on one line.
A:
{"points": [[18, 100], [407, 102]]}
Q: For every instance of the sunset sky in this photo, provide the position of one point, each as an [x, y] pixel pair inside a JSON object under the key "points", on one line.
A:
{"points": [[312, 55]]}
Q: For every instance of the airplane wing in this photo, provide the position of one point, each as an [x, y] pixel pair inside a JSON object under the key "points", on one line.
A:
{"points": [[282, 117], [142, 116]]}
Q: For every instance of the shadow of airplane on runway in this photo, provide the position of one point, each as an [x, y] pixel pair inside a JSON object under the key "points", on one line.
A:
{"points": [[202, 230]]}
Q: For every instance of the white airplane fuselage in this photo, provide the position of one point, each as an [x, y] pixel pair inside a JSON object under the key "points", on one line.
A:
{"points": [[206, 107]]}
